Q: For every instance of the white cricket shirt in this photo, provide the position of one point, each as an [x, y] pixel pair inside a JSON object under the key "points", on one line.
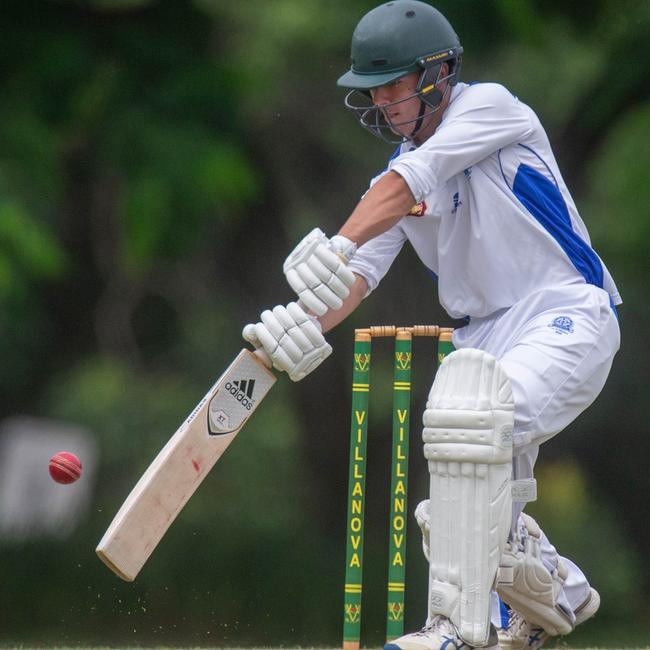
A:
{"points": [[494, 220]]}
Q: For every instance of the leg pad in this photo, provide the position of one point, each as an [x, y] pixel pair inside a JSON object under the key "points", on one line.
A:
{"points": [[467, 438]]}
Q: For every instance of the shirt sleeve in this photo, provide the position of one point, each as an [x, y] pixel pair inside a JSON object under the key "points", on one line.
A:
{"points": [[375, 257], [481, 120]]}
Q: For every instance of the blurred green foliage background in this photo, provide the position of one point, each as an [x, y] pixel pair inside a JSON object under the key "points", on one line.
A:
{"points": [[155, 156]]}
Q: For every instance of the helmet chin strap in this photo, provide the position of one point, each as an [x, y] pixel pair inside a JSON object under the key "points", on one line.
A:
{"points": [[424, 104], [418, 124]]}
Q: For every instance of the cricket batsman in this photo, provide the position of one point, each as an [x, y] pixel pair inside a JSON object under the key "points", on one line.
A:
{"points": [[474, 186]]}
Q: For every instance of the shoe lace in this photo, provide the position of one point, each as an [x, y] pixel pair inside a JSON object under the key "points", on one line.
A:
{"points": [[517, 624], [519, 627], [431, 626], [428, 627]]}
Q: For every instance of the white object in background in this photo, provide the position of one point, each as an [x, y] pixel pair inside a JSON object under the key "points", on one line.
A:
{"points": [[32, 505]]}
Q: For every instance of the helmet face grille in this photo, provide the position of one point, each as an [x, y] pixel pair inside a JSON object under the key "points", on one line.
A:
{"points": [[375, 118]]}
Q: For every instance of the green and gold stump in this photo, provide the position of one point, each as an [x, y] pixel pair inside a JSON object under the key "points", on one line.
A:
{"points": [[399, 485], [399, 473], [356, 491]]}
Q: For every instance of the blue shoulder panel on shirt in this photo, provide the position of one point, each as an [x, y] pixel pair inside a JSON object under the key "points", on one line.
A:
{"points": [[395, 153], [545, 202]]}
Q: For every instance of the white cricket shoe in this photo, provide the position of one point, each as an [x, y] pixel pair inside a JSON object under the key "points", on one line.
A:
{"points": [[522, 635], [439, 635]]}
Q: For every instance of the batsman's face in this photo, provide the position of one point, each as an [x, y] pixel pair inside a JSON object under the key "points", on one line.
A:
{"points": [[401, 106]]}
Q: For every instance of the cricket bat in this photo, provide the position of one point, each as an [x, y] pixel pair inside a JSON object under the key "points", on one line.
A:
{"points": [[182, 464]]}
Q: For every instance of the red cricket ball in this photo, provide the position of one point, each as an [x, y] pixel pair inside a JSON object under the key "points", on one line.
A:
{"points": [[65, 467]]}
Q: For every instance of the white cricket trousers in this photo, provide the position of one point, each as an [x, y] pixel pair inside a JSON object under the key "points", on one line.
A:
{"points": [[557, 347]]}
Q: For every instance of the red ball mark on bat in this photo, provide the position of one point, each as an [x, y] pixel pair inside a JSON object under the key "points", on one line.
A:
{"points": [[197, 467]]}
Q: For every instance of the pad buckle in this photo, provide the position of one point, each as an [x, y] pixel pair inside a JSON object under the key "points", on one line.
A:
{"points": [[524, 490]]}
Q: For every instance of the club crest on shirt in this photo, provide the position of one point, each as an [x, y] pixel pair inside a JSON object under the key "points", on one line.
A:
{"points": [[418, 209], [562, 325]]}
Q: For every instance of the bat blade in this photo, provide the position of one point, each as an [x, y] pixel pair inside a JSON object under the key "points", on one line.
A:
{"points": [[182, 464]]}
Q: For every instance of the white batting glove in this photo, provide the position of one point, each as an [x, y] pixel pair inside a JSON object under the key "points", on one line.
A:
{"points": [[291, 338], [316, 270]]}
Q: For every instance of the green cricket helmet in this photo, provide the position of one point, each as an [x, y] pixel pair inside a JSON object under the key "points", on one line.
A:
{"points": [[391, 41]]}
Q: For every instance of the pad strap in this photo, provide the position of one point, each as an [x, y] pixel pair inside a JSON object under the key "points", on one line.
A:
{"points": [[524, 490]]}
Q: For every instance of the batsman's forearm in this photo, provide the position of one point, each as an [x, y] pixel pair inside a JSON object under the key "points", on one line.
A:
{"points": [[382, 207], [334, 316]]}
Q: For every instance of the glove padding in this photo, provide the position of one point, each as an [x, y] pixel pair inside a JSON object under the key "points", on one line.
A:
{"points": [[291, 338], [316, 270]]}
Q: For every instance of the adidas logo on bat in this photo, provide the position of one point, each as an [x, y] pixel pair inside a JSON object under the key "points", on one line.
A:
{"points": [[242, 391]]}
